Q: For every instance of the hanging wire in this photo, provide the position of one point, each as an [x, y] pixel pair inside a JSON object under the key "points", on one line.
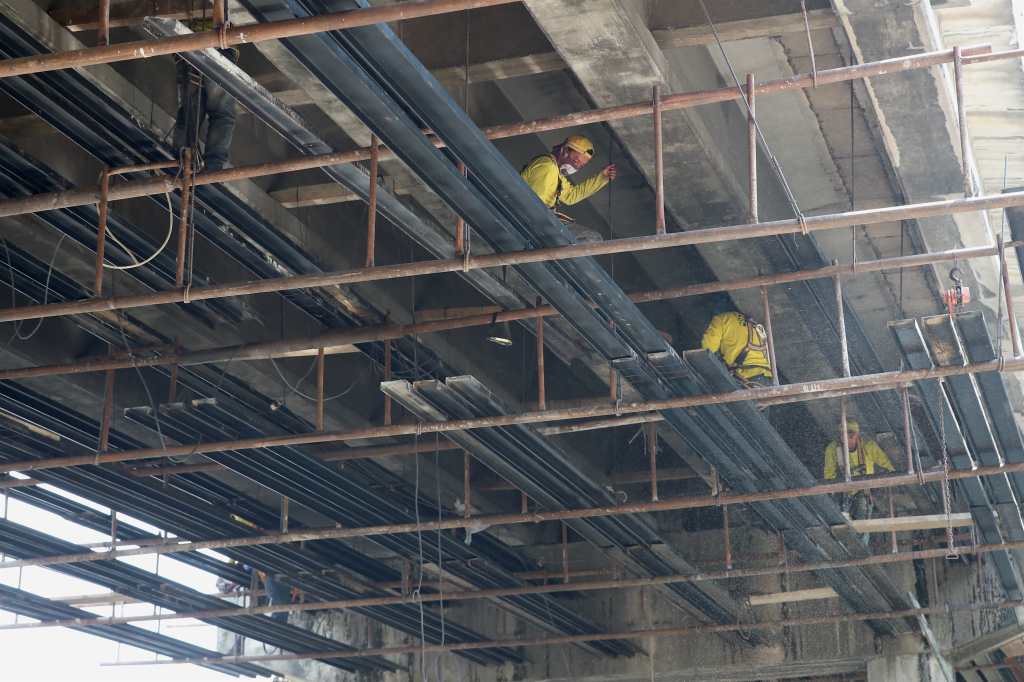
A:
{"points": [[46, 291], [440, 553], [295, 389], [790, 197]]}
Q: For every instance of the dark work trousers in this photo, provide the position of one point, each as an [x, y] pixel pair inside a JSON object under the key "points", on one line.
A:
{"points": [[200, 99], [278, 593]]}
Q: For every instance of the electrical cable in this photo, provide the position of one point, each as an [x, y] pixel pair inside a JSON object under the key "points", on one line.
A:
{"points": [[46, 291], [419, 581], [296, 391], [137, 263], [440, 553]]}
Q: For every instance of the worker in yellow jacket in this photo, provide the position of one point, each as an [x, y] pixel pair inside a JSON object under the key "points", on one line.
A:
{"points": [[547, 175], [742, 344], [866, 459]]}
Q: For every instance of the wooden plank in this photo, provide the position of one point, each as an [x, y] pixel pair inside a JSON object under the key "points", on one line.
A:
{"points": [[810, 594], [765, 27], [886, 524]]}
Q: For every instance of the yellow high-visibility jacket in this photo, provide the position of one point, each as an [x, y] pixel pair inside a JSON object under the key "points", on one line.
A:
{"points": [[740, 344], [544, 177], [863, 461]]}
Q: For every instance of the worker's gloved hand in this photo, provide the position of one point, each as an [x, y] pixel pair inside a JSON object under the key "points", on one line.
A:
{"points": [[610, 171]]}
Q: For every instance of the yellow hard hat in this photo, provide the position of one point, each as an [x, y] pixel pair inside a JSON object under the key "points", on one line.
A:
{"points": [[852, 426], [580, 143]]}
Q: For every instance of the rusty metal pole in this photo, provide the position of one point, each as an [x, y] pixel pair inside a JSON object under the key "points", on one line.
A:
{"points": [[104, 29], [467, 491], [219, 14], [961, 114], [767, 312], [460, 225], [541, 389], [108, 411], [101, 231], [285, 503], [727, 537], [113, 527], [752, 149], [892, 515], [1010, 313], [659, 164], [908, 436], [321, 362], [387, 377], [183, 205], [371, 219], [652, 455], [565, 553]]}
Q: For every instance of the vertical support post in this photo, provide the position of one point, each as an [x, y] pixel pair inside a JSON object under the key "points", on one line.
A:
{"points": [[186, 197], [101, 232], [565, 553], [466, 475], [172, 387], [961, 114], [613, 383], [727, 532], [752, 149], [113, 530], [908, 436], [524, 503], [847, 473], [652, 454], [320, 380], [460, 224], [541, 388], [659, 165], [284, 514], [1010, 314], [371, 220], [892, 515], [767, 314], [104, 30], [108, 410], [387, 377], [219, 13]]}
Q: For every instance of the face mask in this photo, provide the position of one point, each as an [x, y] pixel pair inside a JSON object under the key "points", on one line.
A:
{"points": [[567, 168]]}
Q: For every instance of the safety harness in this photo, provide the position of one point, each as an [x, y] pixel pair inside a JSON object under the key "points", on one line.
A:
{"points": [[757, 340]]}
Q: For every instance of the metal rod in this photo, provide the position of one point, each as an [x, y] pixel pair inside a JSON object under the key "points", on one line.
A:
{"points": [[652, 455], [113, 527], [219, 13], [524, 503], [541, 397], [766, 311], [908, 436], [237, 35], [186, 186], [613, 383], [104, 29], [624, 245], [812, 390], [565, 553], [452, 523], [961, 115], [845, 448], [407, 597], [752, 149], [1010, 313], [19, 483], [66, 199], [321, 362], [284, 513], [892, 515], [387, 377], [550, 640], [727, 537], [841, 320], [371, 219], [108, 410], [101, 232], [260, 351], [460, 225], [810, 43], [659, 164], [466, 490]]}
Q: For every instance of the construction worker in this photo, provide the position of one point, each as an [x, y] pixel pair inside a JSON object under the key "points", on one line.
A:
{"points": [[547, 175], [866, 459], [199, 99], [742, 344]]}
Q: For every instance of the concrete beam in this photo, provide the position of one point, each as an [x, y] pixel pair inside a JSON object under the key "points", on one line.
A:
{"points": [[898, 524]]}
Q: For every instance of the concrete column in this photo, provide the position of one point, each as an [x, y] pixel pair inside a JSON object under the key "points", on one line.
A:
{"points": [[909, 668]]}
